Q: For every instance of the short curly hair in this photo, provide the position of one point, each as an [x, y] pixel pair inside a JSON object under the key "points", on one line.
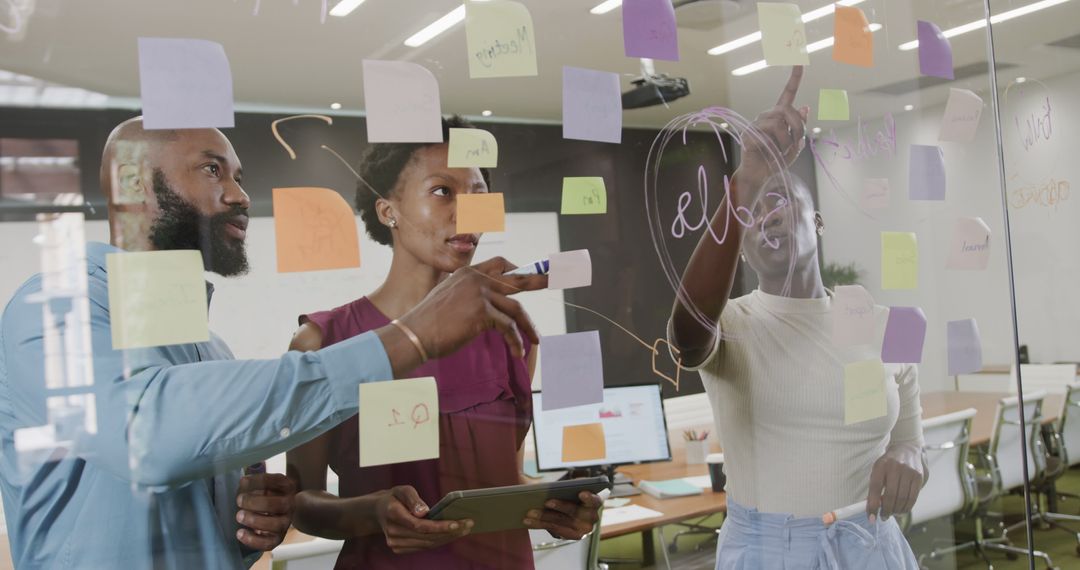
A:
{"points": [[381, 166]]}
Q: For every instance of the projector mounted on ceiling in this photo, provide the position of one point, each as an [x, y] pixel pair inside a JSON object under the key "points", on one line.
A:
{"points": [[654, 88]]}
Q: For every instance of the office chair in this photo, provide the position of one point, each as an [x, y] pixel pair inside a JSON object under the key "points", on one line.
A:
{"points": [[950, 487], [562, 554], [1065, 438], [317, 554]]}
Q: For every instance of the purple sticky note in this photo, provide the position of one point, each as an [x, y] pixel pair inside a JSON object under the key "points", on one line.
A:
{"points": [[926, 173], [184, 84], [649, 29], [965, 347], [592, 105], [572, 372], [935, 53], [905, 333]]}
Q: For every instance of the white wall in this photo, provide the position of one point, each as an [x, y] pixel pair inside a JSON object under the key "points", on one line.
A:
{"points": [[1042, 236]]}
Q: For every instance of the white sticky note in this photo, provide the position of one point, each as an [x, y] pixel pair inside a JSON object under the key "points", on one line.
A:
{"points": [[472, 148], [783, 35], [852, 315], [402, 102], [569, 269], [499, 37], [184, 84], [875, 195], [864, 391], [962, 114], [399, 421], [156, 298], [592, 105], [970, 246]]}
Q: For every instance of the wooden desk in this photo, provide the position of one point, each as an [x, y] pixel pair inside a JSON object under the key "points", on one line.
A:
{"points": [[985, 404]]}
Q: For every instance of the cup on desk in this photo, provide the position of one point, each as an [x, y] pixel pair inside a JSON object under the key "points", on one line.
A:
{"points": [[715, 462], [696, 451]]}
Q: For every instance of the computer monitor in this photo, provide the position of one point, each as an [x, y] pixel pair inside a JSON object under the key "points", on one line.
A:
{"points": [[635, 428]]}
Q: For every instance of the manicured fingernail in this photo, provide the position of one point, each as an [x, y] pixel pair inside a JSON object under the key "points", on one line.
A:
{"points": [[550, 504], [469, 523], [239, 535], [534, 514], [453, 526], [528, 522], [420, 507], [240, 517], [873, 519]]}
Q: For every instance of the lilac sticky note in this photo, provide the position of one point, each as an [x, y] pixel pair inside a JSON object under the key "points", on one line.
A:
{"points": [[649, 29], [970, 247], [935, 53], [402, 102], [852, 311], [905, 333], [592, 105], [965, 347], [572, 372], [184, 84], [926, 173], [569, 269]]}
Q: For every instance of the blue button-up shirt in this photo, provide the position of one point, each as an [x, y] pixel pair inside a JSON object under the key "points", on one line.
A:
{"points": [[155, 487]]}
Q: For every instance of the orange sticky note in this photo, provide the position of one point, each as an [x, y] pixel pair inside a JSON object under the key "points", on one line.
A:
{"points": [[854, 43], [315, 230], [583, 442], [479, 213]]}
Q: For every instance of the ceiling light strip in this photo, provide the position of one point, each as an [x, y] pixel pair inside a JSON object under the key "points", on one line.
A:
{"points": [[995, 19]]}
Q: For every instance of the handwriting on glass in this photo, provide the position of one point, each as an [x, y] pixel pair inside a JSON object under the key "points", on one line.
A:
{"points": [[741, 214], [1035, 128], [1047, 195], [419, 415], [866, 145], [503, 48]]}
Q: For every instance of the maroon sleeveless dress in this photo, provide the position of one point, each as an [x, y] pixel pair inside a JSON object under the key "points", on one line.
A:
{"points": [[485, 406]]}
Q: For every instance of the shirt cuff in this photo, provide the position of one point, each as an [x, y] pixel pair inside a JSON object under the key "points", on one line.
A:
{"points": [[353, 362]]}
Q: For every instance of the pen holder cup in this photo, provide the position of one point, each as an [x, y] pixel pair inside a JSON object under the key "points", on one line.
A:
{"points": [[696, 452], [716, 471]]}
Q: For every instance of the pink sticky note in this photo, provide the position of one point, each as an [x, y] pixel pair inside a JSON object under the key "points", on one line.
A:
{"points": [[853, 316], [905, 333], [571, 369], [402, 102], [970, 246], [649, 29], [962, 114], [935, 52], [965, 347], [569, 269], [875, 195]]}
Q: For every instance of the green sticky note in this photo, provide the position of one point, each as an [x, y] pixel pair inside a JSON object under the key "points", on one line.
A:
{"points": [[399, 421], [899, 260], [472, 148], [832, 105], [783, 35], [499, 37], [156, 298], [584, 195], [864, 391]]}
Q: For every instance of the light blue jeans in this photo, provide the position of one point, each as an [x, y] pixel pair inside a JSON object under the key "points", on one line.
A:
{"points": [[751, 540]]}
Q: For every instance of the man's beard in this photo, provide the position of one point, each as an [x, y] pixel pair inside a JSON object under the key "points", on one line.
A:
{"points": [[180, 225]]}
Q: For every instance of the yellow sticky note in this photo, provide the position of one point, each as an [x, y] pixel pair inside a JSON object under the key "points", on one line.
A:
{"points": [[783, 35], [833, 105], [315, 229], [500, 40], [899, 260], [584, 195], [472, 148], [156, 298], [583, 442], [479, 213], [854, 43], [864, 391], [399, 421]]}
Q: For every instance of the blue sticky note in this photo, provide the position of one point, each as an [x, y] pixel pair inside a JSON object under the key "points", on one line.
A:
{"points": [[926, 173], [965, 347], [905, 333], [571, 370]]}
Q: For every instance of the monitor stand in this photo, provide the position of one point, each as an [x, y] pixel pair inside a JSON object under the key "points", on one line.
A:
{"points": [[621, 485]]}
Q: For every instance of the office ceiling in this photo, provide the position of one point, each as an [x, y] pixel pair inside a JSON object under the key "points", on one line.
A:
{"points": [[283, 57]]}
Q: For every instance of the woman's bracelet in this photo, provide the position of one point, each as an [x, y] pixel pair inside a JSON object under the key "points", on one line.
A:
{"points": [[412, 338]]}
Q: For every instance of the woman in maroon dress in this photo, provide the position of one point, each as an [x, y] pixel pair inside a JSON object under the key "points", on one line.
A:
{"points": [[484, 392]]}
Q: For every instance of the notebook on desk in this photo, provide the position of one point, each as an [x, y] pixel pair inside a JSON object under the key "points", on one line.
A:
{"points": [[670, 488]]}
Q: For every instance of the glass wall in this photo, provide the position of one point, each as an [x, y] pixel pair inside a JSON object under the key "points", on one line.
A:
{"points": [[809, 291]]}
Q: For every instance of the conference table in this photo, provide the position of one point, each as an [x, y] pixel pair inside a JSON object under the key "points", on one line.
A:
{"points": [[709, 503]]}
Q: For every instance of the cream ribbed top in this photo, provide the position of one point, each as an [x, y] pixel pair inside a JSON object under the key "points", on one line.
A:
{"points": [[776, 385]]}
